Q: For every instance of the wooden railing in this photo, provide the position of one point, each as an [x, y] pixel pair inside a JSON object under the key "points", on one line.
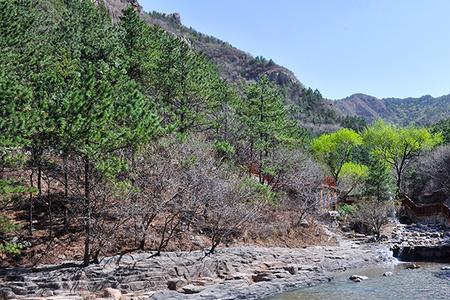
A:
{"points": [[428, 210]]}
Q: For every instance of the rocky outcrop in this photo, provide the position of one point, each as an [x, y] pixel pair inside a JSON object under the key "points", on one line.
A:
{"points": [[241, 272], [424, 243], [115, 7], [440, 254]]}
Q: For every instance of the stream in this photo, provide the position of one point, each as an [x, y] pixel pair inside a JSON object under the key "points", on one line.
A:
{"points": [[428, 282]]}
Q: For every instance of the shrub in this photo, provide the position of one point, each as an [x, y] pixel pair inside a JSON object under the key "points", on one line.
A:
{"points": [[346, 210], [9, 248]]}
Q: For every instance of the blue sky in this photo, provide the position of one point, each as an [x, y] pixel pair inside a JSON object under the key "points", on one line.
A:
{"points": [[385, 48]]}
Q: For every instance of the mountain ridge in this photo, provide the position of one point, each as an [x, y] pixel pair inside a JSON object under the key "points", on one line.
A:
{"points": [[240, 67], [424, 110]]}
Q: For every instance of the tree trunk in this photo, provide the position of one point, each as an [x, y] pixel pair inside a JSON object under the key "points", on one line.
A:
{"points": [[261, 177], [39, 178], [399, 183], [66, 193], [50, 219], [30, 209], [87, 225], [142, 241]]}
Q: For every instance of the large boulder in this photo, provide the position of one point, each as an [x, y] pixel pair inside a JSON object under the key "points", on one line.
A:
{"points": [[358, 278], [176, 283]]}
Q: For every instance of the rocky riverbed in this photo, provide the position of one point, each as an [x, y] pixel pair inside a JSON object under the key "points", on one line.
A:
{"points": [[430, 243], [232, 273]]}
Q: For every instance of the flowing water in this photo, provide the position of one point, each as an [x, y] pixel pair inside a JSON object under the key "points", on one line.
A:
{"points": [[428, 282]]}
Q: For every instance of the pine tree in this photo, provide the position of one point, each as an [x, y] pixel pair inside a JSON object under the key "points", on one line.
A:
{"points": [[141, 48], [266, 120], [105, 110], [379, 183], [29, 78]]}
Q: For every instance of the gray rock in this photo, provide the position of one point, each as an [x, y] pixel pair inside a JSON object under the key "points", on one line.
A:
{"points": [[7, 293], [176, 283], [112, 293], [164, 295], [413, 267], [304, 224], [264, 276], [293, 270], [191, 289], [358, 278], [388, 274], [18, 290]]}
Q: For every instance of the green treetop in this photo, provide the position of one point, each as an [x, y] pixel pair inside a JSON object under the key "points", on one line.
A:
{"points": [[397, 146], [351, 178], [335, 149]]}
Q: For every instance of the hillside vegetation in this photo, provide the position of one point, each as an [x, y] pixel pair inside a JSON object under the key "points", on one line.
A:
{"points": [[240, 68], [120, 131], [118, 136]]}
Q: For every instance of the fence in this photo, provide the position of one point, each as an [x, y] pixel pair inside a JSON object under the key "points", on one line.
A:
{"points": [[428, 210]]}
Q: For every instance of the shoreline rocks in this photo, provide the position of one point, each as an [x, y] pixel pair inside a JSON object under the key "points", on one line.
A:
{"points": [[417, 242], [246, 272]]}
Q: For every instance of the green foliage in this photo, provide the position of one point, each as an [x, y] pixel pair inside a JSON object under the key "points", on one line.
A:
{"points": [[351, 177], [398, 145], [7, 226], [12, 189], [224, 148], [266, 121], [24, 73], [354, 171], [379, 183], [315, 108], [111, 167], [335, 149], [391, 142], [346, 210], [9, 248], [141, 47], [185, 83], [265, 117], [355, 123], [262, 191], [442, 127]]}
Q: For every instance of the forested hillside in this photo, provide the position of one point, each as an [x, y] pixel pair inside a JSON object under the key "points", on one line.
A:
{"points": [[425, 110], [240, 68], [120, 131], [118, 136]]}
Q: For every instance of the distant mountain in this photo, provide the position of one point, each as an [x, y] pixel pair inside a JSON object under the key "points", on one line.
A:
{"points": [[425, 110]]}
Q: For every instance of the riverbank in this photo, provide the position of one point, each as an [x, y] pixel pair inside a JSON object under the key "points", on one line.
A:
{"points": [[232, 273]]}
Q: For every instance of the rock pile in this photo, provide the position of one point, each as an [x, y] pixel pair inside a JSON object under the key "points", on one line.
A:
{"points": [[420, 235]]}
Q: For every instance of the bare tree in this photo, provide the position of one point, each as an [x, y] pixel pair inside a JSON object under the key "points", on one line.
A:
{"points": [[300, 177], [436, 168], [172, 182], [373, 214], [233, 202]]}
